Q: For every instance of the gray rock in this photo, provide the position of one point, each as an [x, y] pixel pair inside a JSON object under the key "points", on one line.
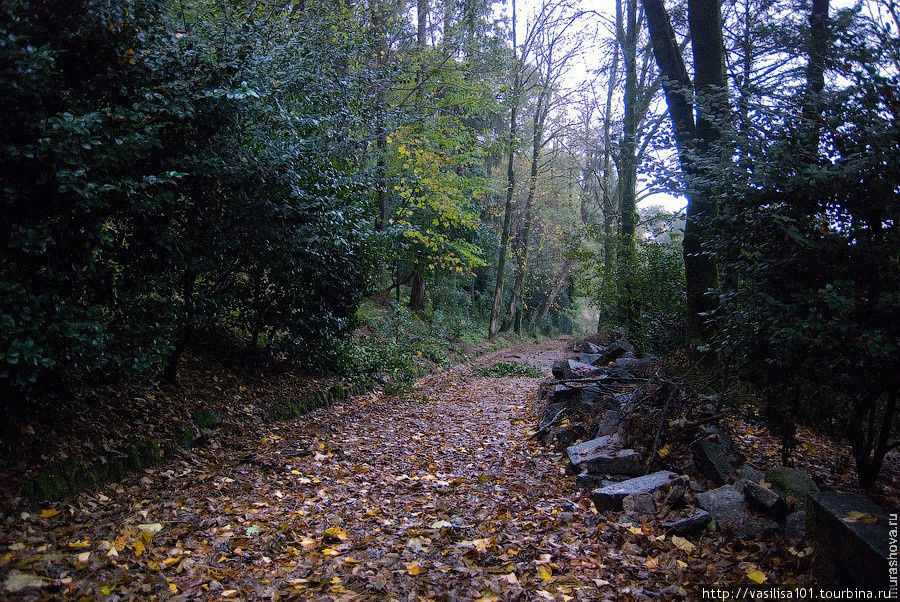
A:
{"points": [[638, 504], [609, 423], [550, 412], [592, 348], [717, 435], [622, 400], [591, 396], [576, 369], [713, 462], [578, 454], [795, 525], [848, 552], [558, 369], [616, 350], [590, 481], [700, 519], [610, 496], [791, 482], [751, 474], [729, 508], [589, 358], [763, 499], [564, 394], [604, 455], [632, 365]]}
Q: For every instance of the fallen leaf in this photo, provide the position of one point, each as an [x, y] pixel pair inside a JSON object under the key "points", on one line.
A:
{"points": [[336, 533], [48, 513], [682, 544], [413, 568], [441, 524], [17, 581], [546, 573], [756, 576]]}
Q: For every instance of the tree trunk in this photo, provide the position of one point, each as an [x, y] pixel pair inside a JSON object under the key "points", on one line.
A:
{"points": [[815, 77], [555, 289], [494, 323], [705, 23], [514, 314], [628, 171], [417, 292]]}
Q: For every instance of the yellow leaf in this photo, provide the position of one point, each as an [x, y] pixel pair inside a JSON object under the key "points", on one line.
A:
{"points": [[413, 568], [173, 588], [857, 516], [330, 552], [49, 513], [80, 544], [664, 451], [681, 563], [546, 573], [171, 560], [336, 533], [635, 530], [756, 576], [652, 563], [138, 547], [441, 524], [682, 544]]}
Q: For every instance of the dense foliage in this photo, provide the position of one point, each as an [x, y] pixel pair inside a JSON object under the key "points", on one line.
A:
{"points": [[167, 172]]}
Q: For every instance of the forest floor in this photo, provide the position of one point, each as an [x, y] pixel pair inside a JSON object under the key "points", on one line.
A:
{"points": [[440, 494]]}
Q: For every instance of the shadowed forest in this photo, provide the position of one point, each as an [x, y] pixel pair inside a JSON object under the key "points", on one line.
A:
{"points": [[448, 299]]}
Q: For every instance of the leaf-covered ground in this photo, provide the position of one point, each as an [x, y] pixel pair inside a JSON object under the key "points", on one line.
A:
{"points": [[441, 495]]}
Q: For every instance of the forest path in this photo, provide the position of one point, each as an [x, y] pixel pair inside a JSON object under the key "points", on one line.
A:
{"points": [[440, 494]]}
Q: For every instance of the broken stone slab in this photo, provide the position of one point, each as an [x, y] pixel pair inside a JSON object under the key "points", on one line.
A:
{"points": [[717, 435], [604, 455], [634, 365], [558, 369], [576, 369], [795, 526], [639, 504], [589, 358], [610, 497], [609, 423], [622, 401], [851, 538], [714, 463], [750, 473], [729, 508], [591, 397], [561, 394], [690, 524], [791, 482], [617, 349], [766, 500]]}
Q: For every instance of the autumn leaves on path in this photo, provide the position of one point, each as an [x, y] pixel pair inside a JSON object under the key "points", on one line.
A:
{"points": [[440, 494]]}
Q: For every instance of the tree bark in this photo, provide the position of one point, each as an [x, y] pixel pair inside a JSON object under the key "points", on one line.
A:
{"points": [[705, 22], [494, 324], [417, 292], [815, 76], [627, 35], [514, 313]]}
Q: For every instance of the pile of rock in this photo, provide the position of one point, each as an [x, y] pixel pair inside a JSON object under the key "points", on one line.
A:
{"points": [[597, 410]]}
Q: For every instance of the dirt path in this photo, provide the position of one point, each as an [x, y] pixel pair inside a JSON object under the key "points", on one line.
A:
{"points": [[439, 495]]}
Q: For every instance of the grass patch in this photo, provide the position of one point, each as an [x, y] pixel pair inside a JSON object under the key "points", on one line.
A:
{"points": [[501, 369]]}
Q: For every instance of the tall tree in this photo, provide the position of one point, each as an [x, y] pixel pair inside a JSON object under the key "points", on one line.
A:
{"points": [[514, 96], [700, 144]]}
